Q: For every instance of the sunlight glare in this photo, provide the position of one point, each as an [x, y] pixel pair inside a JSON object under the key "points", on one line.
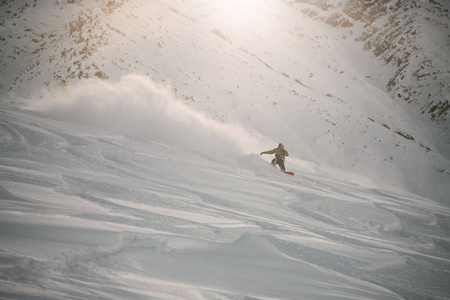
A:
{"points": [[241, 14]]}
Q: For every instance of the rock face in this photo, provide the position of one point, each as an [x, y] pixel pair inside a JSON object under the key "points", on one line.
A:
{"points": [[60, 38], [410, 36]]}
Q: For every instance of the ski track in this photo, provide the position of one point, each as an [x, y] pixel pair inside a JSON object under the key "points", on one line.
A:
{"points": [[87, 214]]}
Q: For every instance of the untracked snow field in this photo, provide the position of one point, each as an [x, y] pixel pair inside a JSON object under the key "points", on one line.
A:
{"points": [[88, 213]]}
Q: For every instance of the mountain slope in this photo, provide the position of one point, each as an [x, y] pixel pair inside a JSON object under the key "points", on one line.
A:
{"points": [[66, 37], [250, 64], [129, 137], [410, 36]]}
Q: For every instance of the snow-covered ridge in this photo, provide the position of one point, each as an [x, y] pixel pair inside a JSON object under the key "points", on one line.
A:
{"points": [[64, 43]]}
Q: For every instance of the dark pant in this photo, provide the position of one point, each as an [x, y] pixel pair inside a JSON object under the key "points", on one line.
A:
{"points": [[278, 161]]}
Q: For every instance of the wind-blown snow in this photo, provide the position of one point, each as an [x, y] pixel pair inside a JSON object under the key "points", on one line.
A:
{"points": [[135, 105]]}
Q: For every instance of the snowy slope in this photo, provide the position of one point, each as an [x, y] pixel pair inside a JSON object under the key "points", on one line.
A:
{"points": [[129, 138], [90, 213], [265, 66]]}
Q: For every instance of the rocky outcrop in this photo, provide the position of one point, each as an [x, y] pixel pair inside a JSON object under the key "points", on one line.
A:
{"points": [[411, 36]]}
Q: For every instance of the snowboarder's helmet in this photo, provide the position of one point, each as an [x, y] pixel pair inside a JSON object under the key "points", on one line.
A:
{"points": [[280, 145]]}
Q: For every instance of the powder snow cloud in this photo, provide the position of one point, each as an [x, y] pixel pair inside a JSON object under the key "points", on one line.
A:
{"points": [[135, 105]]}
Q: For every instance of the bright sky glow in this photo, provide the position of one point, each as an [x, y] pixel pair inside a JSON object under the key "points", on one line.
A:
{"points": [[242, 15]]}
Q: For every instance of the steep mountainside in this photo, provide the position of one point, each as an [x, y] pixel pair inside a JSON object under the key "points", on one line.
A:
{"points": [[411, 36]]}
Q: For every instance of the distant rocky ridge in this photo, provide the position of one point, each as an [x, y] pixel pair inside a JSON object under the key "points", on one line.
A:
{"points": [[412, 36], [65, 49]]}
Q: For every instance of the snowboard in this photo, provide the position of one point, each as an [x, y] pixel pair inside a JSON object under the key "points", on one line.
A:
{"points": [[290, 173]]}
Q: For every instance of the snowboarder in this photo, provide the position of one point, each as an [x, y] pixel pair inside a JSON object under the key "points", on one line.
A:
{"points": [[280, 154]]}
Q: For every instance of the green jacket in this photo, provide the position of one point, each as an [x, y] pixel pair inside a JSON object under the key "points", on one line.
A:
{"points": [[277, 151]]}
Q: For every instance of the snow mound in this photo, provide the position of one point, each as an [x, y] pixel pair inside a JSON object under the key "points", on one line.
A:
{"points": [[250, 266], [251, 245]]}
